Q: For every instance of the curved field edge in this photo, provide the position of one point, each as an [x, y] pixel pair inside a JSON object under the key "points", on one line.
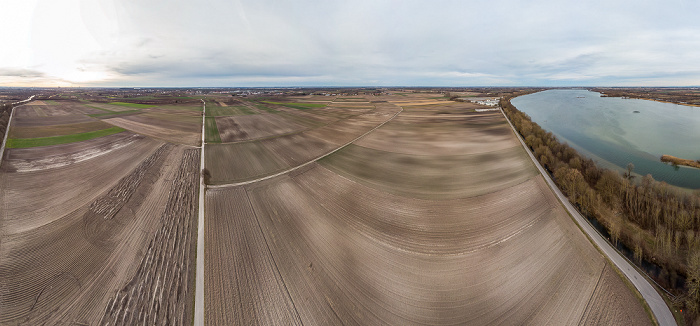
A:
{"points": [[57, 140]]}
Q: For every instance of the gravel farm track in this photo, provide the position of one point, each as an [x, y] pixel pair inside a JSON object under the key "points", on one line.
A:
{"points": [[437, 217]]}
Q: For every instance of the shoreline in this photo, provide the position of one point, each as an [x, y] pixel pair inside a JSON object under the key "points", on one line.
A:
{"points": [[680, 161], [650, 99]]}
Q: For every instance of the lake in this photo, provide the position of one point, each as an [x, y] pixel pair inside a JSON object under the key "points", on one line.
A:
{"points": [[614, 131]]}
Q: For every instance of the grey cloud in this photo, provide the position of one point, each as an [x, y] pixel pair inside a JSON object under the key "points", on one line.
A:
{"points": [[25, 73], [451, 42]]}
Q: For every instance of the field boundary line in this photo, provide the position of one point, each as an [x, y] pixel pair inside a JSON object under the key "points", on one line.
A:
{"points": [[243, 183], [660, 310], [9, 123], [272, 257], [199, 274], [597, 284]]}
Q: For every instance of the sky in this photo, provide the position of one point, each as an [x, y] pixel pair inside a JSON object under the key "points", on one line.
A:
{"points": [[238, 43]]}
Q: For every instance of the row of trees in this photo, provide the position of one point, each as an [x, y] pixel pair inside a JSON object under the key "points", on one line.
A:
{"points": [[657, 222], [5, 110]]}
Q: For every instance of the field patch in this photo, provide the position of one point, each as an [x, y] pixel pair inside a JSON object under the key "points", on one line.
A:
{"points": [[56, 156], [211, 134], [248, 127], [57, 140], [179, 107], [241, 161], [63, 262], [301, 106], [432, 177], [449, 135], [57, 130], [133, 105], [387, 259], [156, 129], [113, 114], [220, 111]]}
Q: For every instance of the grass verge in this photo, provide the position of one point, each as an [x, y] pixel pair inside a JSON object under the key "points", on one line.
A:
{"points": [[57, 140]]}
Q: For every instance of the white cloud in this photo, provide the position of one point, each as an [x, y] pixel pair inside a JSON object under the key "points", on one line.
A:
{"points": [[385, 42]]}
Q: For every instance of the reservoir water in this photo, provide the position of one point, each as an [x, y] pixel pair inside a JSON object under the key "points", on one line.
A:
{"points": [[615, 131]]}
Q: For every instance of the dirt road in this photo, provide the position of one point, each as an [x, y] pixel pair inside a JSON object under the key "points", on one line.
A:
{"points": [[658, 307], [199, 285]]}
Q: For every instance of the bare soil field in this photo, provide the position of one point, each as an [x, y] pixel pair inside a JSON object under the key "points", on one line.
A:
{"points": [[443, 176], [50, 157], [57, 130], [444, 108], [109, 107], [74, 266], [150, 129], [58, 109], [40, 196], [247, 280], [161, 291], [242, 161], [248, 127], [100, 231], [191, 124], [400, 236], [31, 121], [298, 149], [452, 134]]}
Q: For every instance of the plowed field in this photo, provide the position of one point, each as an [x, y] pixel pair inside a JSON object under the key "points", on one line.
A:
{"points": [[401, 229], [100, 231]]}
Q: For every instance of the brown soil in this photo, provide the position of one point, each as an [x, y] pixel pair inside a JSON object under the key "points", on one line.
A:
{"points": [[57, 130], [189, 124], [69, 271], [609, 305], [247, 127], [161, 291], [46, 156], [442, 136], [444, 176], [164, 133], [236, 162], [108, 205], [398, 236], [50, 120], [39, 197]]}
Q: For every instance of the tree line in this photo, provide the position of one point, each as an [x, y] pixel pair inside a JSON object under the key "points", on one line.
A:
{"points": [[659, 223], [5, 110]]}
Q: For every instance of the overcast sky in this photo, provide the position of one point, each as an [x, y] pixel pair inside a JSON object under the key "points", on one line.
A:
{"points": [[348, 43]]}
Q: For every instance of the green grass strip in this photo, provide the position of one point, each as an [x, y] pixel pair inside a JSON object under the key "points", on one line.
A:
{"points": [[300, 106], [133, 105], [211, 132], [57, 140], [218, 111]]}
